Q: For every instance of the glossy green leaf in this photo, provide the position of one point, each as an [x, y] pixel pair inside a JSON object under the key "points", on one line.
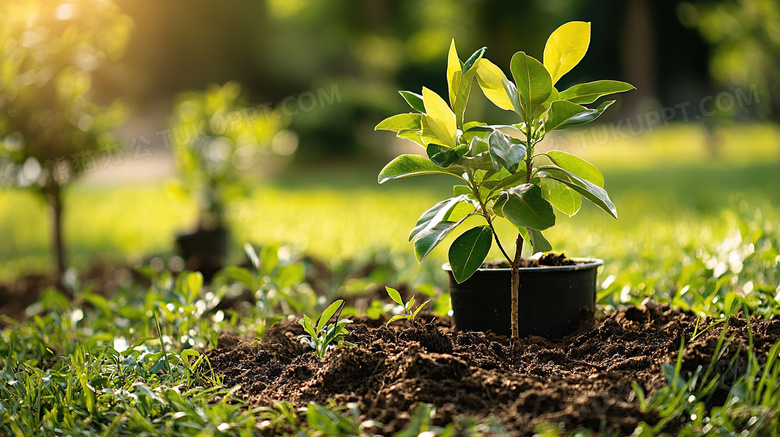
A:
{"points": [[413, 135], [504, 180], [393, 293], [401, 122], [461, 190], [525, 207], [590, 191], [441, 155], [491, 80], [506, 151], [440, 117], [437, 213], [414, 100], [328, 313], [430, 237], [409, 165], [588, 116], [577, 166], [478, 145], [561, 112], [473, 60], [538, 242], [561, 196], [396, 318], [463, 91], [468, 251], [414, 314], [566, 47], [589, 92], [533, 81]]}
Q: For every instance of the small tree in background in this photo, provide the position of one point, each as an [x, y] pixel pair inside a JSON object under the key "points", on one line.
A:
{"points": [[218, 138], [51, 130]]}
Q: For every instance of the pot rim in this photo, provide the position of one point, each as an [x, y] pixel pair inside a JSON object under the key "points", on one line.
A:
{"points": [[583, 263]]}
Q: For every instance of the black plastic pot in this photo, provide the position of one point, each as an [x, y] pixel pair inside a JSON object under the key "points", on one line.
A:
{"points": [[203, 250], [553, 300]]}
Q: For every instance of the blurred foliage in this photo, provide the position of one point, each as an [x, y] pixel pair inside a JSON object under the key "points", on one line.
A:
{"points": [[744, 36], [51, 129], [216, 138]]}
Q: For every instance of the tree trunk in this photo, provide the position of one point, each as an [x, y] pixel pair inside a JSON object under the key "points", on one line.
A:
{"points": [[54, 199]]}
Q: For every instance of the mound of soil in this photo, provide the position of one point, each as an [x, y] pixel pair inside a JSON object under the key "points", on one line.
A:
{"points": [[580, 381]]}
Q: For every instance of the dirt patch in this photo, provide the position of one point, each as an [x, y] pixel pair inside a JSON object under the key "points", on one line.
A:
{"points": [[549, 259], [583, 380]]}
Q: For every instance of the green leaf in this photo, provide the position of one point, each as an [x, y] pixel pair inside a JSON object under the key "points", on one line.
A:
{"points": [[397, 317], [269, 258], [461, 190], [194, 284], [328, 313], [414, 100], [506, 151], [414, 314], [442, 156], [533, 83], [577, 166], [252, 255], [491, 80], [461, 93], [589, 115], [468, 251], [473, 60], [412, 134], [289, 275], [525, 207], [307, 326], [561, 196], [589, 92], [400, 122], [409, 165], [454, 73], [561, 113], [440, 118], [393, 293], [566, 47], [242, 275], [428, 239], [437, 213], [538, 242], [590, 191]]}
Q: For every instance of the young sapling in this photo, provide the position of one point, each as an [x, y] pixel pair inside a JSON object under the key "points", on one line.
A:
{"points": [[324, 336], [498, 165], [408, 314]]}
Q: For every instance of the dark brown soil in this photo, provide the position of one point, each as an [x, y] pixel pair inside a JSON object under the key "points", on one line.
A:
{"points": [[549, 259], [580, 381]]}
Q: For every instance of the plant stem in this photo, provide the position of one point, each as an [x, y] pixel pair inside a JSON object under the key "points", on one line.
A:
{"points": [[486, 214], [516, 290]]}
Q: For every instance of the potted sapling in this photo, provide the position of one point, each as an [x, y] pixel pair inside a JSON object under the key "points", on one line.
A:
{"points": [[503, 176], [217, 138]]}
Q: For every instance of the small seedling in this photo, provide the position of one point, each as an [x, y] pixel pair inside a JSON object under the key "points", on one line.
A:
{"points": [[324, 335], [408, 313]]}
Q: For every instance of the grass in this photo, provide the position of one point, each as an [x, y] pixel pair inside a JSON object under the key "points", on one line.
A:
{"points": [[697, 232]]}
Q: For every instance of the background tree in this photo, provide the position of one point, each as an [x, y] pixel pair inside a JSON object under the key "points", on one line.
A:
{"points": [[51, 128]]}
